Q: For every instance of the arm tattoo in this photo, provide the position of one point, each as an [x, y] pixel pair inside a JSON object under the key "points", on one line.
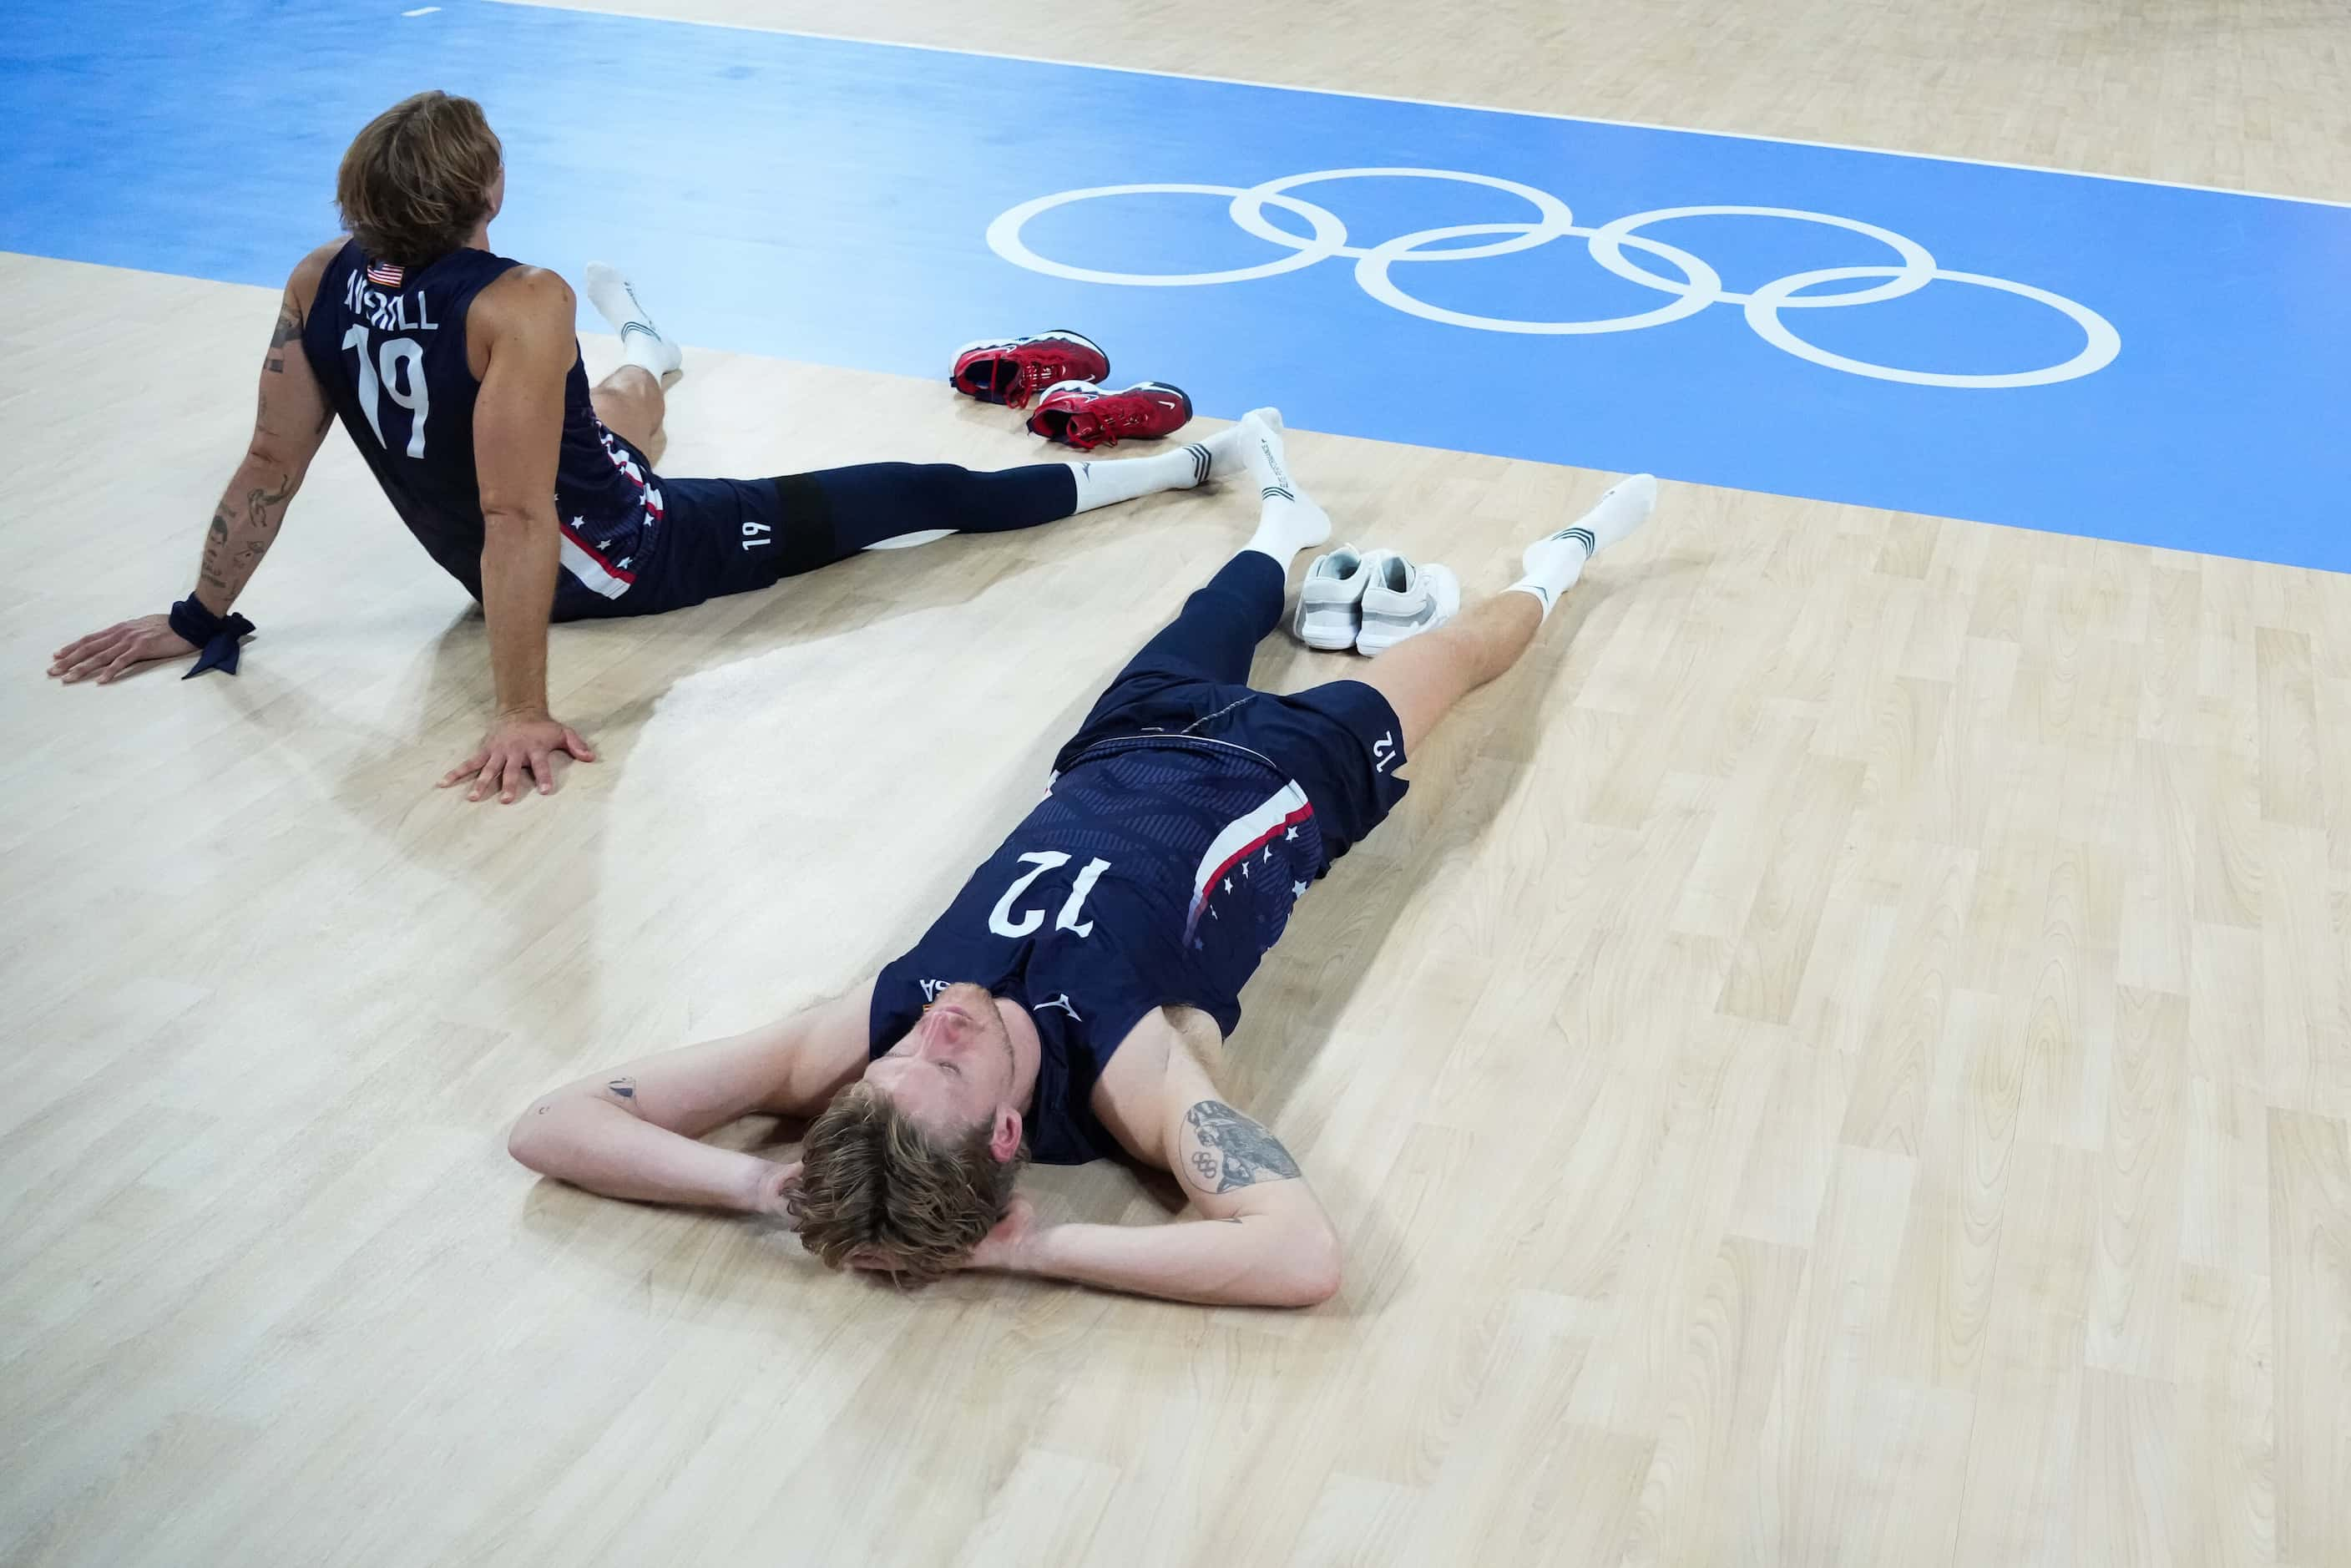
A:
{"points": [[215, 540], [255, 530], [259, 502], [289, 327], [622, 1088], [1236, 1150]]}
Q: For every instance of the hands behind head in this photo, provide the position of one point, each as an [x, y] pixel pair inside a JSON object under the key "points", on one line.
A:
{"points": [[1003, 1248], [778, 1193], [1007, 1246]]}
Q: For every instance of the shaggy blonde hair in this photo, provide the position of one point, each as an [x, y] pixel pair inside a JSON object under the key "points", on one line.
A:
{"points": [[416, 182], [878, 1188]]}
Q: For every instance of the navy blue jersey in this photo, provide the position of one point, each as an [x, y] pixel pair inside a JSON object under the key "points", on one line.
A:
{"points": [[387, 348], [1156, 872]]}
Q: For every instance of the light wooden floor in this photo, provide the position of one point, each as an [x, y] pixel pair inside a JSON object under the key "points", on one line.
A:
{"points": [[2244, 94], [1843, 1058]]}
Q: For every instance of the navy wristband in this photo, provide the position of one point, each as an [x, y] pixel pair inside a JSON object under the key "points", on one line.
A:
{"points": [[216, 637]]}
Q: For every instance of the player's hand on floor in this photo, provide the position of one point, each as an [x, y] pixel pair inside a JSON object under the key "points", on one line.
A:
{"points": [[120, 648], [519, 753]]}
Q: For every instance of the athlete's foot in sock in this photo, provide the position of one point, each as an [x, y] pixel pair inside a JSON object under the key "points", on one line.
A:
{"points": [[1554, 562], [1228, 449], [642, 343], [1291, 521], [1625, 506]]}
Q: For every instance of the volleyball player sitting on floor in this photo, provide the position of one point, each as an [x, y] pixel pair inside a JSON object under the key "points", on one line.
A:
{"points": [[1044, 1014], [457, 374]]}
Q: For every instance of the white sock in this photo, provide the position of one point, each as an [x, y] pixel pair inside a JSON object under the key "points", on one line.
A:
{"points": [[1291, 521], [1230, 449], [1218, 457], [642, 343], [1107, 483], [1554, 562]]}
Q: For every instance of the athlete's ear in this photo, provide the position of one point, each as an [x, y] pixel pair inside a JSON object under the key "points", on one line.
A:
{"points": [[1004, 1140]]}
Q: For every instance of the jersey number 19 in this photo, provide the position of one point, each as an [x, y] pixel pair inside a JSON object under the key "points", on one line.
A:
{"points": [[396, 352]]}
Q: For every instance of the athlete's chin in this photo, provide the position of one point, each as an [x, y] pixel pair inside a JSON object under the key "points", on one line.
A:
{"points": [[969, 1000]]}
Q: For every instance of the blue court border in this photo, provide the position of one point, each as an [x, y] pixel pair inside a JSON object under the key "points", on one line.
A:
{"points": [[829, 200]]}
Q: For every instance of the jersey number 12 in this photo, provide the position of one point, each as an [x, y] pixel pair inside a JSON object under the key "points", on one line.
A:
{"points": [[396, 352], [1000, 921]]}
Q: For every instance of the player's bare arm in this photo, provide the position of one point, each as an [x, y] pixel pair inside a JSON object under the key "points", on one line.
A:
{"points": [[519, 336], [634, 1131], [1255, 1234], [289, 423]]}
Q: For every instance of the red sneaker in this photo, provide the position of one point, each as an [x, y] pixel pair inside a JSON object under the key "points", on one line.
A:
{"points": [[1015, 370], [1082, 414]]}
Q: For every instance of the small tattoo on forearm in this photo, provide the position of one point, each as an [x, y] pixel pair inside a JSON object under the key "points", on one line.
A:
{"points": [[626, 1088], [258, 502], [1236, 1150]]}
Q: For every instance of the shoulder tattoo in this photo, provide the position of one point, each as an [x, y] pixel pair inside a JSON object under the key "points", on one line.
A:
{"points": [[1235, 1150]]}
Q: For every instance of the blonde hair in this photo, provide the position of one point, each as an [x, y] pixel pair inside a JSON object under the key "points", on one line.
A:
{"points": [[876, 1185], [416, 182]]}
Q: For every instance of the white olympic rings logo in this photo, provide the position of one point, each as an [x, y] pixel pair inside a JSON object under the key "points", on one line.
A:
{"points": [[1699, 287]]}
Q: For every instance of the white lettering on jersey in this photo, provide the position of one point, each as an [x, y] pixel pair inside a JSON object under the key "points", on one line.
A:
{"points": [[386, 312], [1000, 921]]}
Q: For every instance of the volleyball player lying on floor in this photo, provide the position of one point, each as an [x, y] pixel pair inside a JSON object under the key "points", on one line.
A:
{"points": [[1043, 1016]]}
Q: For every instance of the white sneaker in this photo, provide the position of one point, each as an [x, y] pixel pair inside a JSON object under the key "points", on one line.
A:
{"points": [[1403, 600], [1330, 600]]}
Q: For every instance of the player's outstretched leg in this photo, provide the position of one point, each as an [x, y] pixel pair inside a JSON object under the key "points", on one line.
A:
{"points": [[1427, 675], [1217, 633], [630, 400], [889, 504]]}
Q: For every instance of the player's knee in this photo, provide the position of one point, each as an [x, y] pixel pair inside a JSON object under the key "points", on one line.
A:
{"points": [[939, 494]]}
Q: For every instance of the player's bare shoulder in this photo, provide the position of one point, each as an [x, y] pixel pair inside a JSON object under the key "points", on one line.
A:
{"points": [[522, 305], [301, 296], [303, 284], [527, 295], [1131, 1097]]}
